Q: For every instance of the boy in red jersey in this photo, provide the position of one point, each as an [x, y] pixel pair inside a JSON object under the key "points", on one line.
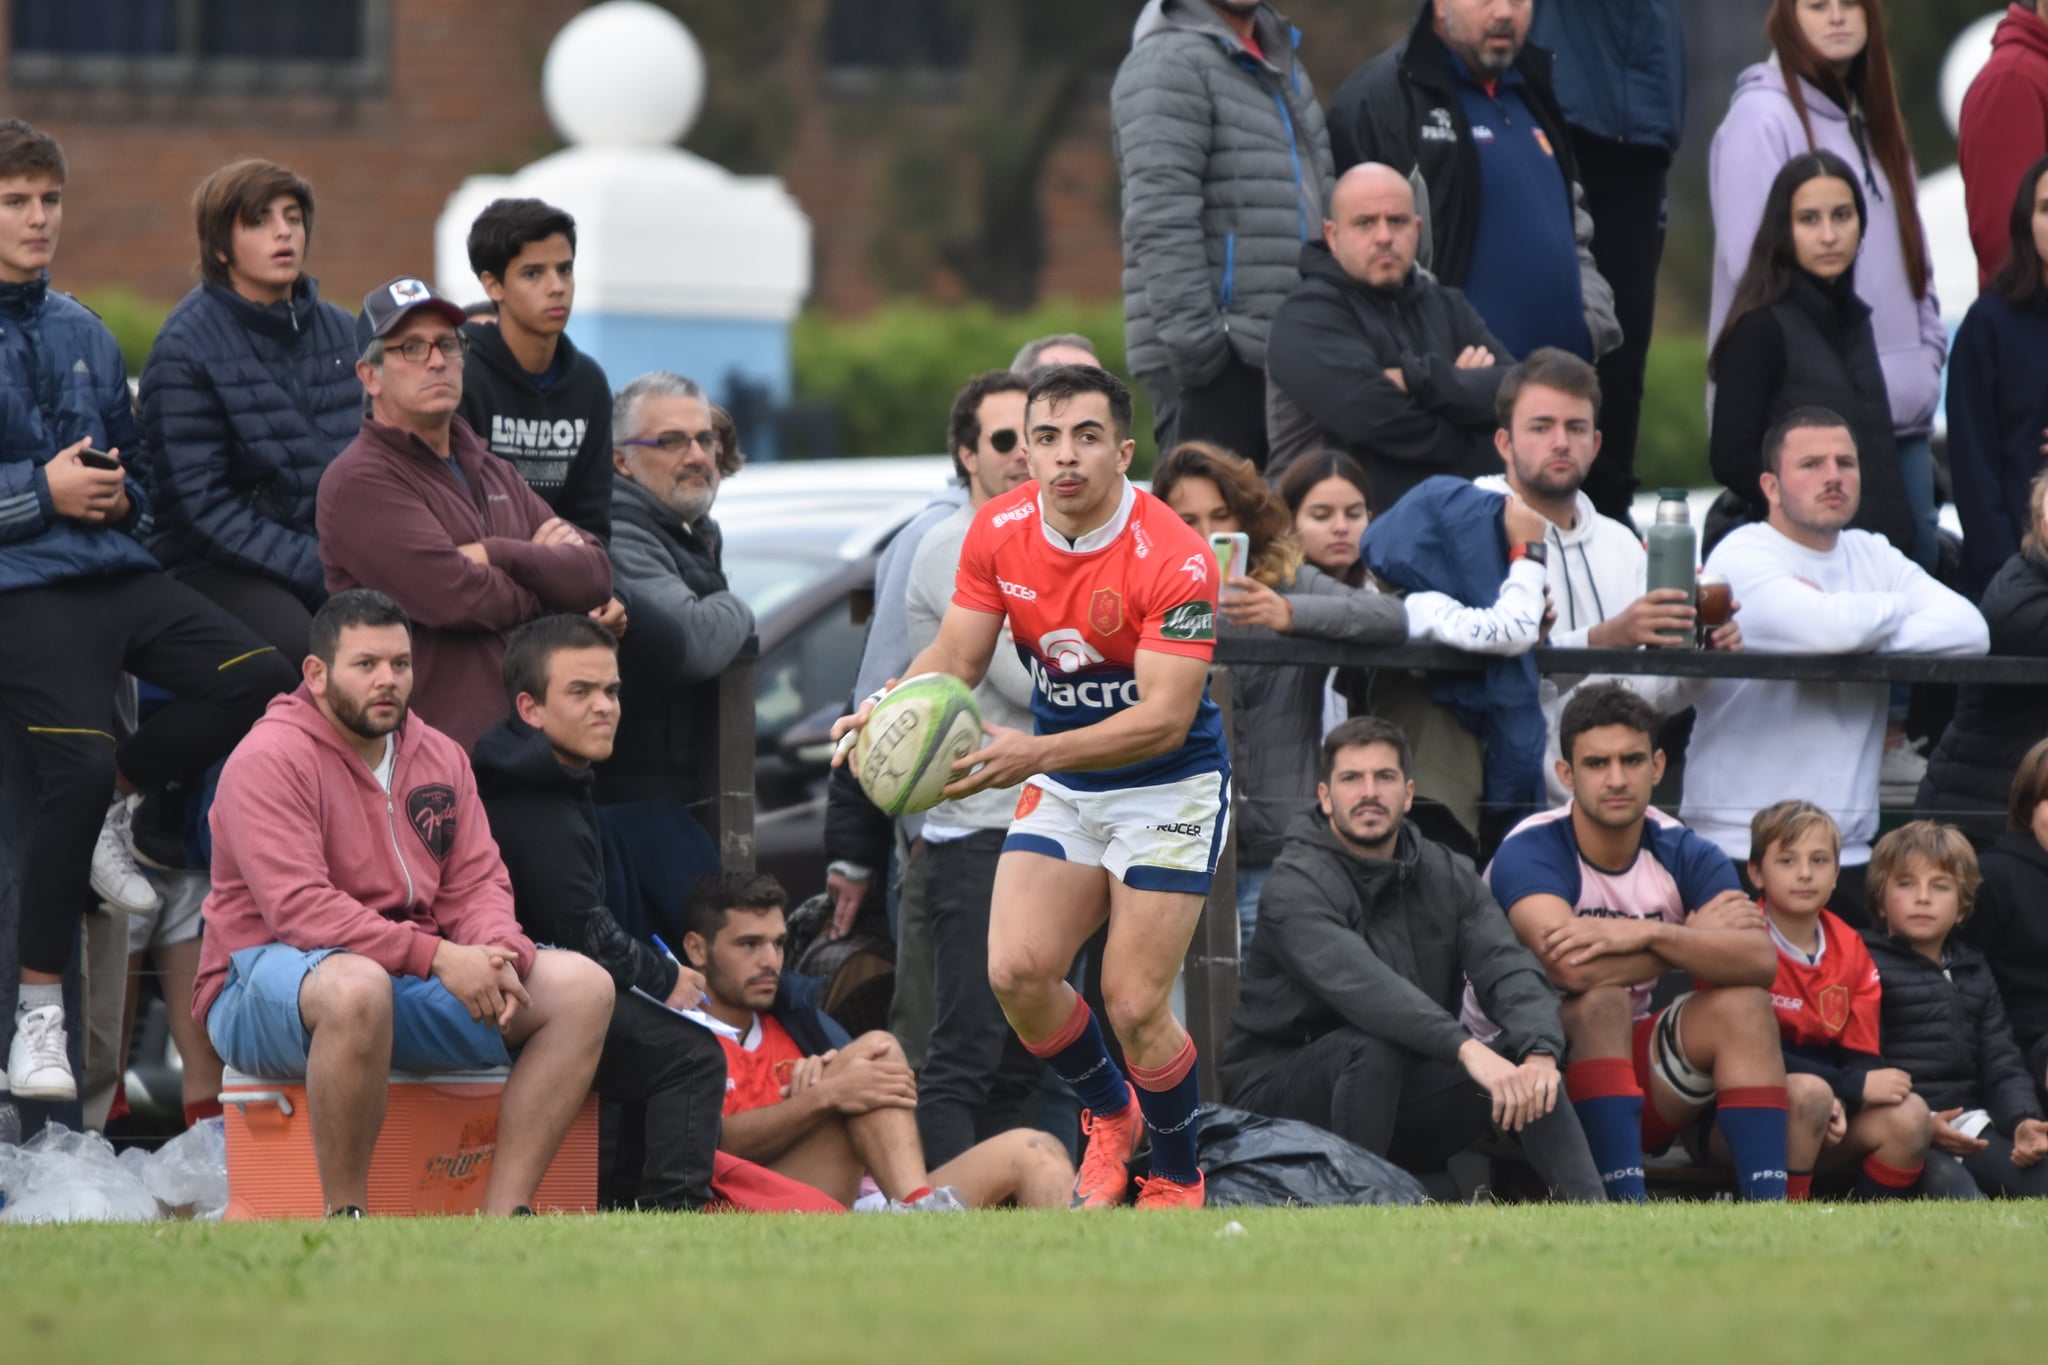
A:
{"points": [[1111, 600], [1846, 1104]]}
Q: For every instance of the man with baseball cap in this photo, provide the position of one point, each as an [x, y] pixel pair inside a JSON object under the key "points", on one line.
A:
{"points": [[418, 509]]}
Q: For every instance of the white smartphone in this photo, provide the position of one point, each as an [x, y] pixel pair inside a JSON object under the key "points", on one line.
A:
{"points": [[1233, 550]]}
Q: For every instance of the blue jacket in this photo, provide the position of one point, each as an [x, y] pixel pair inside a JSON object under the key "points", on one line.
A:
{"points": [[1620, 70], [799, 1008], [1445, 535], [243, 408], [61, 378]]}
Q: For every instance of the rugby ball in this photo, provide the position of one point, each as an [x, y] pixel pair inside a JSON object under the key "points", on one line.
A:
{"points": [[905, 754]]}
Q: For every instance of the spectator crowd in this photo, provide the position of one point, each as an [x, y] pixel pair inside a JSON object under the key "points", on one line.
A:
{"points": [[426, 615]]}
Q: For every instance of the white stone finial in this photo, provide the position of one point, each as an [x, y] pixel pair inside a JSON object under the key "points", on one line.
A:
{"points": [[624, 74], [1966, 57]]}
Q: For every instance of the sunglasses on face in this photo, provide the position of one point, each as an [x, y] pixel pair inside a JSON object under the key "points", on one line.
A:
{"points": [[1004, 440], [676, 442]]}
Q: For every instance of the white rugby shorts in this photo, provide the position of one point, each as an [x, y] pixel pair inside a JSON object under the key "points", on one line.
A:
{"points": [[1160, 838]]}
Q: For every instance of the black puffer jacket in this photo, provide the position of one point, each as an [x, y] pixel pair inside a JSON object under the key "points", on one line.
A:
{"points": [[2010, 927], [1969, 775], [243, 408], [1384, 946], [1945, 1027]]}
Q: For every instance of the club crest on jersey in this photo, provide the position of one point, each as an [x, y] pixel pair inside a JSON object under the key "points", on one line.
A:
{"points": [[1068, 652], [1834, 1007], [1028, 799], [1189, 621], [1106, 612], [1196, 567]]}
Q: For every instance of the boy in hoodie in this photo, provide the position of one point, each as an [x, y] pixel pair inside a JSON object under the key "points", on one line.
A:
{"points": [[1548, 437], [81, 601], [361, 920], [1942, 1016], [534, 772]]}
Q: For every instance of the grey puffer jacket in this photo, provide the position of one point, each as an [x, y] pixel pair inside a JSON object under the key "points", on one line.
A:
{"points": [[1277, 709], [1226, 168]]}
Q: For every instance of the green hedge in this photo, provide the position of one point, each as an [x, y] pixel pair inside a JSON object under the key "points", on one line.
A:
{"points": [[133, 319], [1671, 449]]}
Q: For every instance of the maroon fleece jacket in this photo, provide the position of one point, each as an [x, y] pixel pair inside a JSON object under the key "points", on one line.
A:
{"points": [[2003, 130], [391, 516], [309, 851]]}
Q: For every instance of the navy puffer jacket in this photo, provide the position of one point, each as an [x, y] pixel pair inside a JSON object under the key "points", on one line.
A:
{"points": [[61, 379], [243, 409]]}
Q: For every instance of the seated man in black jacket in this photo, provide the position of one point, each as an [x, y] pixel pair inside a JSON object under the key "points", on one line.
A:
{"points": [[1371, 355], [534, 774], [1348, 1016]]}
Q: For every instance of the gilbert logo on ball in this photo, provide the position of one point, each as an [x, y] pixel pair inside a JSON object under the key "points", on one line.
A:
{"points": [[905, 754]]}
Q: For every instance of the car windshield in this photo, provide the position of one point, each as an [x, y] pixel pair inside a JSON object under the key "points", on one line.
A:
{"points": [[767, 577]]}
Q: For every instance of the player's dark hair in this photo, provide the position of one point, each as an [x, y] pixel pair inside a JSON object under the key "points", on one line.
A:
{"points": [[2029, 789], [1365, 730], [507, 227], [1810, 418], [1064, 383], [1598, 705], [963, 424], [531, 649], [716, 896], [25, 150], [235, 196], [354, 607], [1546, 367]]}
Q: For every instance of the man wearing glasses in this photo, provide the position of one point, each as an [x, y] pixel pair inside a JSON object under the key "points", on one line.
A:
{"points": [[688, 625], [420, 510]]}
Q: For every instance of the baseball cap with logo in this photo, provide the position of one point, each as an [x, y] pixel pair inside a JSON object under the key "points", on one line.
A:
{"points": [[386, 306]]}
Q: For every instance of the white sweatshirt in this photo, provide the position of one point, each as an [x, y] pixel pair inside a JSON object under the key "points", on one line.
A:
{"points": [[1759, 742], [1597, 568]]}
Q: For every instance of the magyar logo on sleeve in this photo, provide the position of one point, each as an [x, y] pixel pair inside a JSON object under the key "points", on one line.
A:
{"points": [[1189, 621]]}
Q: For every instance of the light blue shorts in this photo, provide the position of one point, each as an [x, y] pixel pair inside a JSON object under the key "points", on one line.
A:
{"points": [[256, 1028]]}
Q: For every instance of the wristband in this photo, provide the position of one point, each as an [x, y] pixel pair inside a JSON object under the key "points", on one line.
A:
{"points": [[853, 872]]}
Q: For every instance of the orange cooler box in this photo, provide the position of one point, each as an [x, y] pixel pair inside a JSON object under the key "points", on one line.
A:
{"points": [[433, 1156]]}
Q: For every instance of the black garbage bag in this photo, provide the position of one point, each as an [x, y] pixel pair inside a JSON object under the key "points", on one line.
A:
{"points": [[1253, 1160]]}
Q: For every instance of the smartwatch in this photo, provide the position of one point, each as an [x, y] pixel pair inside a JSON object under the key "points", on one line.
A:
{"points": [[1535, 550]]}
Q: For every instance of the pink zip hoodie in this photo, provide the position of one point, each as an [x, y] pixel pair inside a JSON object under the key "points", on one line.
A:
{"points": [[309, 850]]}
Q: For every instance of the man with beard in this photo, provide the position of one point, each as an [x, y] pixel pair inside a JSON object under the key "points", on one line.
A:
{"points": [[361, 920], [1348, 1017], [1611, 895], [1374, 356], [1548, 437], [1813, 587], [1464, 108]]}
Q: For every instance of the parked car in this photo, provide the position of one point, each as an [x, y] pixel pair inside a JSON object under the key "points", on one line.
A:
{"points": [[801, 542]]}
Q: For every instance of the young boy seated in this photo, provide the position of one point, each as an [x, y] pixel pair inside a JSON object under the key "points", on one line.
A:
{"points": [[1943, 1019], [1845, 1105]]}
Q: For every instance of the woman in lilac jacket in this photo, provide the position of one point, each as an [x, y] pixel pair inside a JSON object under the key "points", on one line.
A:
{"points": [[1828, 87]]}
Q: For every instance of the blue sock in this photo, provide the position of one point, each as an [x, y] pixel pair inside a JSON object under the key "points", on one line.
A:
{"points": [[1752, 1118], [1609, 1104], [1170, 1097], [1078, 1056]]}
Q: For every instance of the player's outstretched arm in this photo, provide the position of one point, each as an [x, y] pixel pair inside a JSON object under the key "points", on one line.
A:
{"points": [[963, 647], [1169, 693], [1581, 953]]}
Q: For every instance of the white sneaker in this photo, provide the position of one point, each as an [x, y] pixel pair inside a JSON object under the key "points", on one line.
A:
{"points": [[942, 1199], [1903, 766], [114, 874], [37, 1065]]}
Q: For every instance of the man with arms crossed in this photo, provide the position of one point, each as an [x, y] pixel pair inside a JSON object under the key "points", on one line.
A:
{"points": [[1611, 895], [361, 920], [1111, 600]]}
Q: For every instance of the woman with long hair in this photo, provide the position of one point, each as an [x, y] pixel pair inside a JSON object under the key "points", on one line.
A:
{"points": [[1277, 709], [1997, 402], [1325, 494], [1827, 87], [1798, 336]]}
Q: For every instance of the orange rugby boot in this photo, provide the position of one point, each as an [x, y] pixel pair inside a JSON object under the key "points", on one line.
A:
{"points": [[1157, 1192], [1105, 1175]]}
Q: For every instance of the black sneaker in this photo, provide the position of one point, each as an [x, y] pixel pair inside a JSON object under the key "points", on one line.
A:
{"points": [[352, 1212], [156, 829], [524, 1211]]}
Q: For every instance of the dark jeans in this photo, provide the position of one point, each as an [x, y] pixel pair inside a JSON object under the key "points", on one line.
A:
{"points": [[662, 1080], [1229, 411], [1995, 1174], [1416, 1112], [67, 647], [264, 605], [978, 1079], [1625, 193]]}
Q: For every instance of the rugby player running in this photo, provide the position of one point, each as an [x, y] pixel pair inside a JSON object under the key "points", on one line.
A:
{"points": [[1111, 601]]}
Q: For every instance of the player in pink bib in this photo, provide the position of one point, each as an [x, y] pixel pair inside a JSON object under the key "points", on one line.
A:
{"points": [[1111, 602]]}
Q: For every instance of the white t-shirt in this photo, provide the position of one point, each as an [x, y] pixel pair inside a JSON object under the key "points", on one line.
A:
{"points": [[385, 766]]}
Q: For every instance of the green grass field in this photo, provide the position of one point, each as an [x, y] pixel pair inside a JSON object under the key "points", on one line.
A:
{"points": [[1670, 1283]]}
